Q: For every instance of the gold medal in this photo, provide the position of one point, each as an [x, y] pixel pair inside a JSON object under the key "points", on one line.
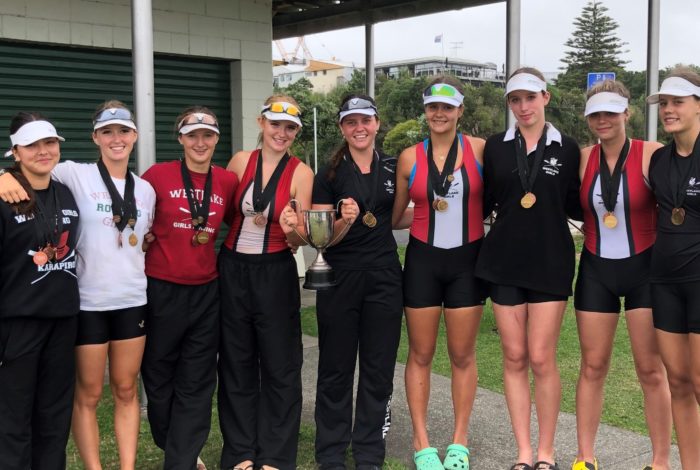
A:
{"points": [[609, 220], [677, 216], [200, 238], [528, 200], [133, 239], [369, 219], [260, 220], [40, 258], [50, 252], [450, 178], [440, 205]]}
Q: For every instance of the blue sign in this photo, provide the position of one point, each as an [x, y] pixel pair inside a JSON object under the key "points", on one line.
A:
{"points": [[595, 77]]}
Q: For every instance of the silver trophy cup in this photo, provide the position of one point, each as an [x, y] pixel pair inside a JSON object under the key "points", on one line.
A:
{"points": [[319, 233]]}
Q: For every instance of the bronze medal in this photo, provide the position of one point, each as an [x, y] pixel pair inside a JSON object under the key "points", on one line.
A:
{"points": [[609, 220], [132, 222], [133, 239], [260, 220], [369, 219], [440, 205], [195, 222], [40, 258], [528, 200], [200, 220], [677, 216], [202, 238], [450, 178], [116, 218], [50, 252]]}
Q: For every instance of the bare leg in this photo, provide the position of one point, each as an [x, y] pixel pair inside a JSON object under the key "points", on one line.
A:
{"points": [[422, 324]]}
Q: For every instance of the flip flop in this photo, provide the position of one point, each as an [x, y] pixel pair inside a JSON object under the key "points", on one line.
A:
{"points": [[542, 465], [582, 465], [456, 457]]}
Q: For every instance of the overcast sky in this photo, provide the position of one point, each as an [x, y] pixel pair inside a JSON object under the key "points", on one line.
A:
{"points": [[479, 34]]}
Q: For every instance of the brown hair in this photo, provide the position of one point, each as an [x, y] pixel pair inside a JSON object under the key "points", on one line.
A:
{"points": [[344, 149], [196, 109], [530, 70], [612, 86], [687, 73], [19, 120]]}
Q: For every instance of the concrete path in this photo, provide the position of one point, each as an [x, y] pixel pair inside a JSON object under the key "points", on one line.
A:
{"points": [[491, 441]]}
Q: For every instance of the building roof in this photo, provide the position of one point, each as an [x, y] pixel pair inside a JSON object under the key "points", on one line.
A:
{"points": [[430, 59]]}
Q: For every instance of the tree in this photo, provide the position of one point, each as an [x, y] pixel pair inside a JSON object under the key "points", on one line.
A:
{"points": [[403, 135], [594, 46]]}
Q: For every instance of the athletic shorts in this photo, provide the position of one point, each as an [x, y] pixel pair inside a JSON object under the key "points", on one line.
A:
{"points": [[512, 295], [438, 276], [602, 281], [99, 327], [676, 307]]}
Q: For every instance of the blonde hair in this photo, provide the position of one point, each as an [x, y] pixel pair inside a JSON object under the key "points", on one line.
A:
{"points": [[530, 70], [687, 73], [109, 104], [612, 86]]}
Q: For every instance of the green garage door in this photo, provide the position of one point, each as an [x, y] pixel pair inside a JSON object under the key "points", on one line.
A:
{"points": [[66, 84]]}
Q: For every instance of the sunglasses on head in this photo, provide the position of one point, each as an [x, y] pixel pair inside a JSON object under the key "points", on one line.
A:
{"points": [[441, 89], [357, 103], [112, 114], [199, 118], [281, 107]]}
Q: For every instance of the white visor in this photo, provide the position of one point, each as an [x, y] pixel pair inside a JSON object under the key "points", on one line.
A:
{"points": [[525, 81], [187, 128], [120, 122], [443, 93], [674, 86], [365, 111], [270, 116], [199, 123], [31, 132], [606, 101]]}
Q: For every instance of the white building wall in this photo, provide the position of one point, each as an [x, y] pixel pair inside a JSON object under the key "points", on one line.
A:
{"points": [[238, 30]]}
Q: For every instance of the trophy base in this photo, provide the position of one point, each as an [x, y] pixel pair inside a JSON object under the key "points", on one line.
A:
{"points": [[319, 280]]}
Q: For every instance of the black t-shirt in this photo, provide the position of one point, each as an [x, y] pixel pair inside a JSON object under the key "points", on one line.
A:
{"points": [[531, 248], [26, 289], [362, 247], [676, 255]]}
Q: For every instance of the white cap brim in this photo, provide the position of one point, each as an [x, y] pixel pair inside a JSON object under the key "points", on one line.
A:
{"points": [[187, 128], [269, 115], [674, 86], [526, 82], [32, 132], [455, 101], [364, 111], [606, 102], [120, 122]]}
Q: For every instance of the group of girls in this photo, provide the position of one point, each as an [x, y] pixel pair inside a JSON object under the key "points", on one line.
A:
{"points": [[144, 259]]}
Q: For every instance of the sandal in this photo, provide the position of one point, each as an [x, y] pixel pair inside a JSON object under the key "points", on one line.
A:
{"points": [[583, 465], [427, 459], [521, 466], [542, 465], [456, 457]]}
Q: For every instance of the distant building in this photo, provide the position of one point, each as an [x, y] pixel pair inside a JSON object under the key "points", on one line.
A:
{"points": [[468, 71], [323, 75]]}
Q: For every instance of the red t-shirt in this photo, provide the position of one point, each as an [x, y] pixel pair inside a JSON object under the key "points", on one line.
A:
{"points": [[172, 256]]}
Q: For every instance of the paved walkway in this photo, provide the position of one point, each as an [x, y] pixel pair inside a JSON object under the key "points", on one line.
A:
{"points": [[491, 441]]}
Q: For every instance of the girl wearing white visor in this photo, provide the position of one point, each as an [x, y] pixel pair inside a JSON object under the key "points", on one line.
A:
{"points": [[442, 175], [619, 212], [531, 175], [674, 173], [116, 208], [39, 308], [261, 353]]}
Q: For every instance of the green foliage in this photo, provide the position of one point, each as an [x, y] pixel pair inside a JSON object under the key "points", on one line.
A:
{"points": [[484, 110], [594, 47], [401, 136]]}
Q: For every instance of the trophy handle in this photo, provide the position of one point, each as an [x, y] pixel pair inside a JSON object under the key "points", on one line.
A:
{"points": [[296, 205]]}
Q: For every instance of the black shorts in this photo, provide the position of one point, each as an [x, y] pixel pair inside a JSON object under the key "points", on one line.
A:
{"points": [[513, 295], [602, 281], [676, 307], [438, 276], [99, 327]]}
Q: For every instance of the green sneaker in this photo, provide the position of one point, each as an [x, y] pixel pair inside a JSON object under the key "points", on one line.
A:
{"points": [[456, 457]]}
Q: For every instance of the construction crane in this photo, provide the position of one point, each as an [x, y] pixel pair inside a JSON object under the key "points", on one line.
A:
{"points": [[291, 57]]}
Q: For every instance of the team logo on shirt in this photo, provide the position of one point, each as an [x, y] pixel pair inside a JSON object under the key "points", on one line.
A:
{"points": [[389, 187], [693, 187], [551, 166], [64, 260]]}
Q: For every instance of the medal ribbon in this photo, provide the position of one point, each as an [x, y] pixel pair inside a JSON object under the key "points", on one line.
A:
{"points": [[680, 188], [528, 174], [368, 199], [261, 198], [441, 182], [197, 209], [124, 207], [609, 184], [48, 231]]}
